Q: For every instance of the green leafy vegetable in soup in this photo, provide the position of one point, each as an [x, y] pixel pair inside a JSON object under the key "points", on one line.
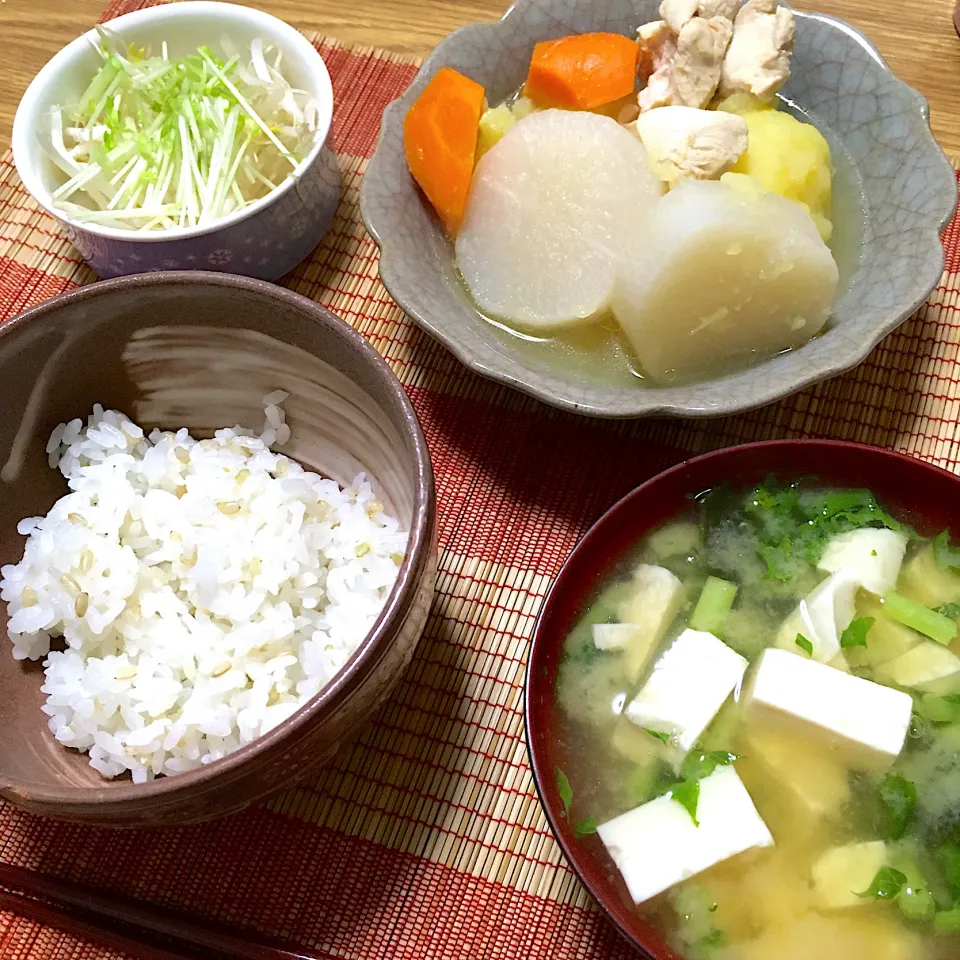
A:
{"points": [[563, 788], [855, 635], [761, 715], [946, 555], [886, 885], [586, 826]]}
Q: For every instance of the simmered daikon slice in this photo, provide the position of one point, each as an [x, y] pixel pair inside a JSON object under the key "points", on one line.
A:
{"points": [[551, 207]]}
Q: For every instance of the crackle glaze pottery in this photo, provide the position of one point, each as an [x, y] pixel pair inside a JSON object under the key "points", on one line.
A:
{"points": [[894, 193]]}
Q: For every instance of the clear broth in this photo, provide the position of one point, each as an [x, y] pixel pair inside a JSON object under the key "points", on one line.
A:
{"points": [[601, 354]]}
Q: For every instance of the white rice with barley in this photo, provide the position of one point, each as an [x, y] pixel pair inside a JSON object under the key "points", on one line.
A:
{"points": [[204, 590]]}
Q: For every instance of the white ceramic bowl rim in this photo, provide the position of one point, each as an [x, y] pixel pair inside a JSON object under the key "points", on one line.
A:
{"points": [[34, 100]]}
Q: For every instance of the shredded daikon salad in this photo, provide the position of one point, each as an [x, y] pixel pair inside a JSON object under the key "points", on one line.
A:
{"points": [[156, 143]]}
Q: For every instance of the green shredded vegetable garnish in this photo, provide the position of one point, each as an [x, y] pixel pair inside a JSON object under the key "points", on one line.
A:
{"points": [[156, 143]]}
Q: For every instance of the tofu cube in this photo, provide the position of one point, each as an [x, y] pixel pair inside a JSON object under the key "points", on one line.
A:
{"points": [[657, 845], [650, 609], [822, 617], [928, 666], [688, 686], [872, 556], [843, 872], [866, 723], [809, 772]]}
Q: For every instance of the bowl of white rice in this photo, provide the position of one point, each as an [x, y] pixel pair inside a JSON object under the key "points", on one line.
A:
{"points": [[217, 546]]}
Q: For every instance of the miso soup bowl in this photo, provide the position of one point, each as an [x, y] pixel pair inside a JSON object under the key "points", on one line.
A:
{"points": [[200, 350], [895, 192], [928, 494], [265, 239]]}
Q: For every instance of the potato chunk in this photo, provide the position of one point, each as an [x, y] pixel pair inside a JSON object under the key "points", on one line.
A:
{"points": [[843, 873], [787, 156], [867, 937]]}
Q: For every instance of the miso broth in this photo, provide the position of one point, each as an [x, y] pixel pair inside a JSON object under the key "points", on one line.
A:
{"points": [[865, 861]]}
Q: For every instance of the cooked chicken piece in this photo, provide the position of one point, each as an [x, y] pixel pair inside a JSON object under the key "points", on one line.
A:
{"points": [[658, 44], [718, 8], [690, 77], [758, 60], [685, 143], [701, 47], [678, 12]]}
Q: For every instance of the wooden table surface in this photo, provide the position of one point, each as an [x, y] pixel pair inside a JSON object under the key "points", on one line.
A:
{"points": [[916, 37]]}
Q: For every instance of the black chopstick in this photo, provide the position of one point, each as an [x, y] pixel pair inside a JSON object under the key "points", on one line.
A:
{"points": [[96, 931], [70, 907]]}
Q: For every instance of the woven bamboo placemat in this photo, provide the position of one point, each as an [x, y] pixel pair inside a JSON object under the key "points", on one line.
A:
{"points": [[424, 839]]}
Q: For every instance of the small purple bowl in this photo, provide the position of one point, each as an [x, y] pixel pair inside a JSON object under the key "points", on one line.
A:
{"points": [[264, 240]]}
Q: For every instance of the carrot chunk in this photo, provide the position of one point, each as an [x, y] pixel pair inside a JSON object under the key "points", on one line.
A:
{"points": [[440, 140], [582, 72]]}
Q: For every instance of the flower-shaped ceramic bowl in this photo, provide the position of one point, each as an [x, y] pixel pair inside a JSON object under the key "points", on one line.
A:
{"points": [[264, 240], [894, 193]]}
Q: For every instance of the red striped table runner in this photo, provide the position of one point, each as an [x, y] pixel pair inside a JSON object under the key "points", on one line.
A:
{"points": [[424, 839]]}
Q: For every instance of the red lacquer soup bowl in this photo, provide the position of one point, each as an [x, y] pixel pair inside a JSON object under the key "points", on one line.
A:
{"points": [[928, 495]]}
